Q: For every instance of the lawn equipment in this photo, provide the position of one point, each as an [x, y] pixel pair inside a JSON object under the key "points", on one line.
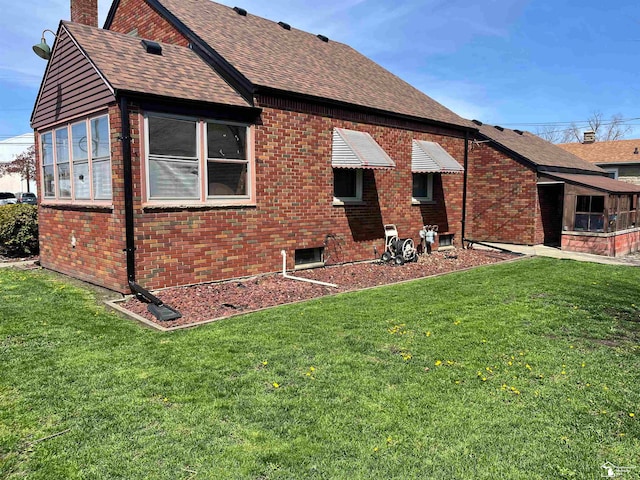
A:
{"points": [[398, 250]]}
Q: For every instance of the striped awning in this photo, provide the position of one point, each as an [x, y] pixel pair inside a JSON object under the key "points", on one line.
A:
{"points": [[353, 149], [430, 157]]}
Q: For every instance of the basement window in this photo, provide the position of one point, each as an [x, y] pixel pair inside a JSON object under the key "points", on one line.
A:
{"points": [[589, 213], [309, 258], [445, 240]]}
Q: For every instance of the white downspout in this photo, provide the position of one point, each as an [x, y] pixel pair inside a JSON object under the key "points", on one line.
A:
{"points": [[285, 275]]}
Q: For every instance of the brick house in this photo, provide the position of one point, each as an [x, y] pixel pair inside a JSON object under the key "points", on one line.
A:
{"points": [[190, 142], [619, 158], [525, 190]]}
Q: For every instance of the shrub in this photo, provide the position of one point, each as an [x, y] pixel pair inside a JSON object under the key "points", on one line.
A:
{"points": [[18, 230]]}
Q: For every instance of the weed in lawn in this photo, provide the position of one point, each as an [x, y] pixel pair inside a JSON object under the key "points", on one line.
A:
{"points": [[385, 383]]}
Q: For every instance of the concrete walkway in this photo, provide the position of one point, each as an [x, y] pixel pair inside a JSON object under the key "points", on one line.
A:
{"points": [[544, 251], [24, 263]]}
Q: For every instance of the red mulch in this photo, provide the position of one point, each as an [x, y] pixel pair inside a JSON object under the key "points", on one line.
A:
{"points": [[203, 302]]}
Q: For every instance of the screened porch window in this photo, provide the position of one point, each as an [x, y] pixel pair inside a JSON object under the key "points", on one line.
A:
{"points": [[589, 213]]}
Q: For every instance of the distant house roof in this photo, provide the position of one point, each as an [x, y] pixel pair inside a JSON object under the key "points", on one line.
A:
{"points": [[272, 58], [542, 154], [606, 184], [613, 152], [125, 65]]}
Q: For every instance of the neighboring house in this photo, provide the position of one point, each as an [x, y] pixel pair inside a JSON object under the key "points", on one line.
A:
{"points": [[619, 158], [9, 149], [200, 157], [525, 190]]}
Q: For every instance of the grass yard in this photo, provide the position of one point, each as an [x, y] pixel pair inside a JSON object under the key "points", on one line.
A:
{"points": [[526, 370]]}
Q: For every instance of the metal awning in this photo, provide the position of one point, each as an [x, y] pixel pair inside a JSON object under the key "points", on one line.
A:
{"points": [[430, 157], [353, 149]]}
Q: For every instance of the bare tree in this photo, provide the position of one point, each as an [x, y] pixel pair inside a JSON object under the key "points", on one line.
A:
{"points": [[24, 164], [605, 130]]}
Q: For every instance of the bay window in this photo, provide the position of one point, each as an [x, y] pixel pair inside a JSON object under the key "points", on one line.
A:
{"points": [[76, 161], [197, 160]]}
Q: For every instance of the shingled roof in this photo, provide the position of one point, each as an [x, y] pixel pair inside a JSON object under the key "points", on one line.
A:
{"points": [[542, 154], [292, 61], [613, 152], [177, 73]]}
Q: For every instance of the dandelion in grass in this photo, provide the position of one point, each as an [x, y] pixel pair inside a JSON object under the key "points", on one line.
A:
{"points": [[438, 363], [275, 385], [457, 322], [631, 414], [528, 367], [428, 334]]}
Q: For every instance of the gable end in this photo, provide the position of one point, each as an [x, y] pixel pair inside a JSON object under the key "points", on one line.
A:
{"points": [[71, 86]]}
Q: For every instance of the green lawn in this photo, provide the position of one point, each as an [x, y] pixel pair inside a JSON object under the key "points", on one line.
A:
{"points": [[524, 370]]}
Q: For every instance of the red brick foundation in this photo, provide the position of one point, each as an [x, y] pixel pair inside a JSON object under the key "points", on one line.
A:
{"points": [[609, 244]]}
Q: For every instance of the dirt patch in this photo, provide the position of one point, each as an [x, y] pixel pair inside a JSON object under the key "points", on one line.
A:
{"points": [[204, 302]]}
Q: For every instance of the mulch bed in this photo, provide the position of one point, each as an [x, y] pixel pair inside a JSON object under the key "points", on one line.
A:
{"points": [[205, 302]]}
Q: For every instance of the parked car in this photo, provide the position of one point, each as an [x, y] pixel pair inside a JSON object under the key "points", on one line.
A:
{"points": [[7, 197], [27, 197]]}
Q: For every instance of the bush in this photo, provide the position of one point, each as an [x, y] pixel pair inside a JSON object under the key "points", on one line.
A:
{"points": [[18, 230]]}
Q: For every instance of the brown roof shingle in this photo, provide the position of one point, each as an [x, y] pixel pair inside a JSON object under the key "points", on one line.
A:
{"points": [[299, 62], [607, 184], [177, 73], [617, 151], [537, 150]]}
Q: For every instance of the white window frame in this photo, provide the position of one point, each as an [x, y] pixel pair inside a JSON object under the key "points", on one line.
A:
{"points": [[429, 197], [358, 197], [56, 197], [203, 197]]}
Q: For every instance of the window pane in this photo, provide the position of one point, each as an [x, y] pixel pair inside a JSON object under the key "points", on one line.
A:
{"points": [[227, 178], [101, 179], [100, 137], [421, 185], [226, 141], [79, 149], [597, 204], [596, 223], [64, 180], [81, 180], [171, 137], [62, 145], [583, 203], [345, 183], [47, 148], [49, 181], [173, 179]]}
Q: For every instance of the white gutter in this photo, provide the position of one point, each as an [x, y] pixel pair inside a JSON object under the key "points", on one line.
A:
{"points": [[285, 275]]}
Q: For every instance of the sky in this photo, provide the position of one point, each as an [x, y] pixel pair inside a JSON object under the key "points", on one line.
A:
{"points": [[516, 63]]}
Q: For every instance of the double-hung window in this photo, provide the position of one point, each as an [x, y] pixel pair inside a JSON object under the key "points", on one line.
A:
{"points": [[422, 187], [197, 161], [76, 161]]}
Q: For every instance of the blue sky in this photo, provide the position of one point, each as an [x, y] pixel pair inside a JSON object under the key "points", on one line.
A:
{"points": [[514, 63]]}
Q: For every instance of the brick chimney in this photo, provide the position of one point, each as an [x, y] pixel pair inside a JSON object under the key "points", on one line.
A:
{"points": [[589, 137], [85, 12]]}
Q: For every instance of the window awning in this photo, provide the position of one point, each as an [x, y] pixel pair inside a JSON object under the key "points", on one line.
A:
{"points": [[430, 157], [353, 149]]}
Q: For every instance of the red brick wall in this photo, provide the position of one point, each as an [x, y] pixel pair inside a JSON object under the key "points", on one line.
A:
{"points": [[295, 208], [85, 12], [137, 14], [502, 199], [609, 245], [98, 256]]}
